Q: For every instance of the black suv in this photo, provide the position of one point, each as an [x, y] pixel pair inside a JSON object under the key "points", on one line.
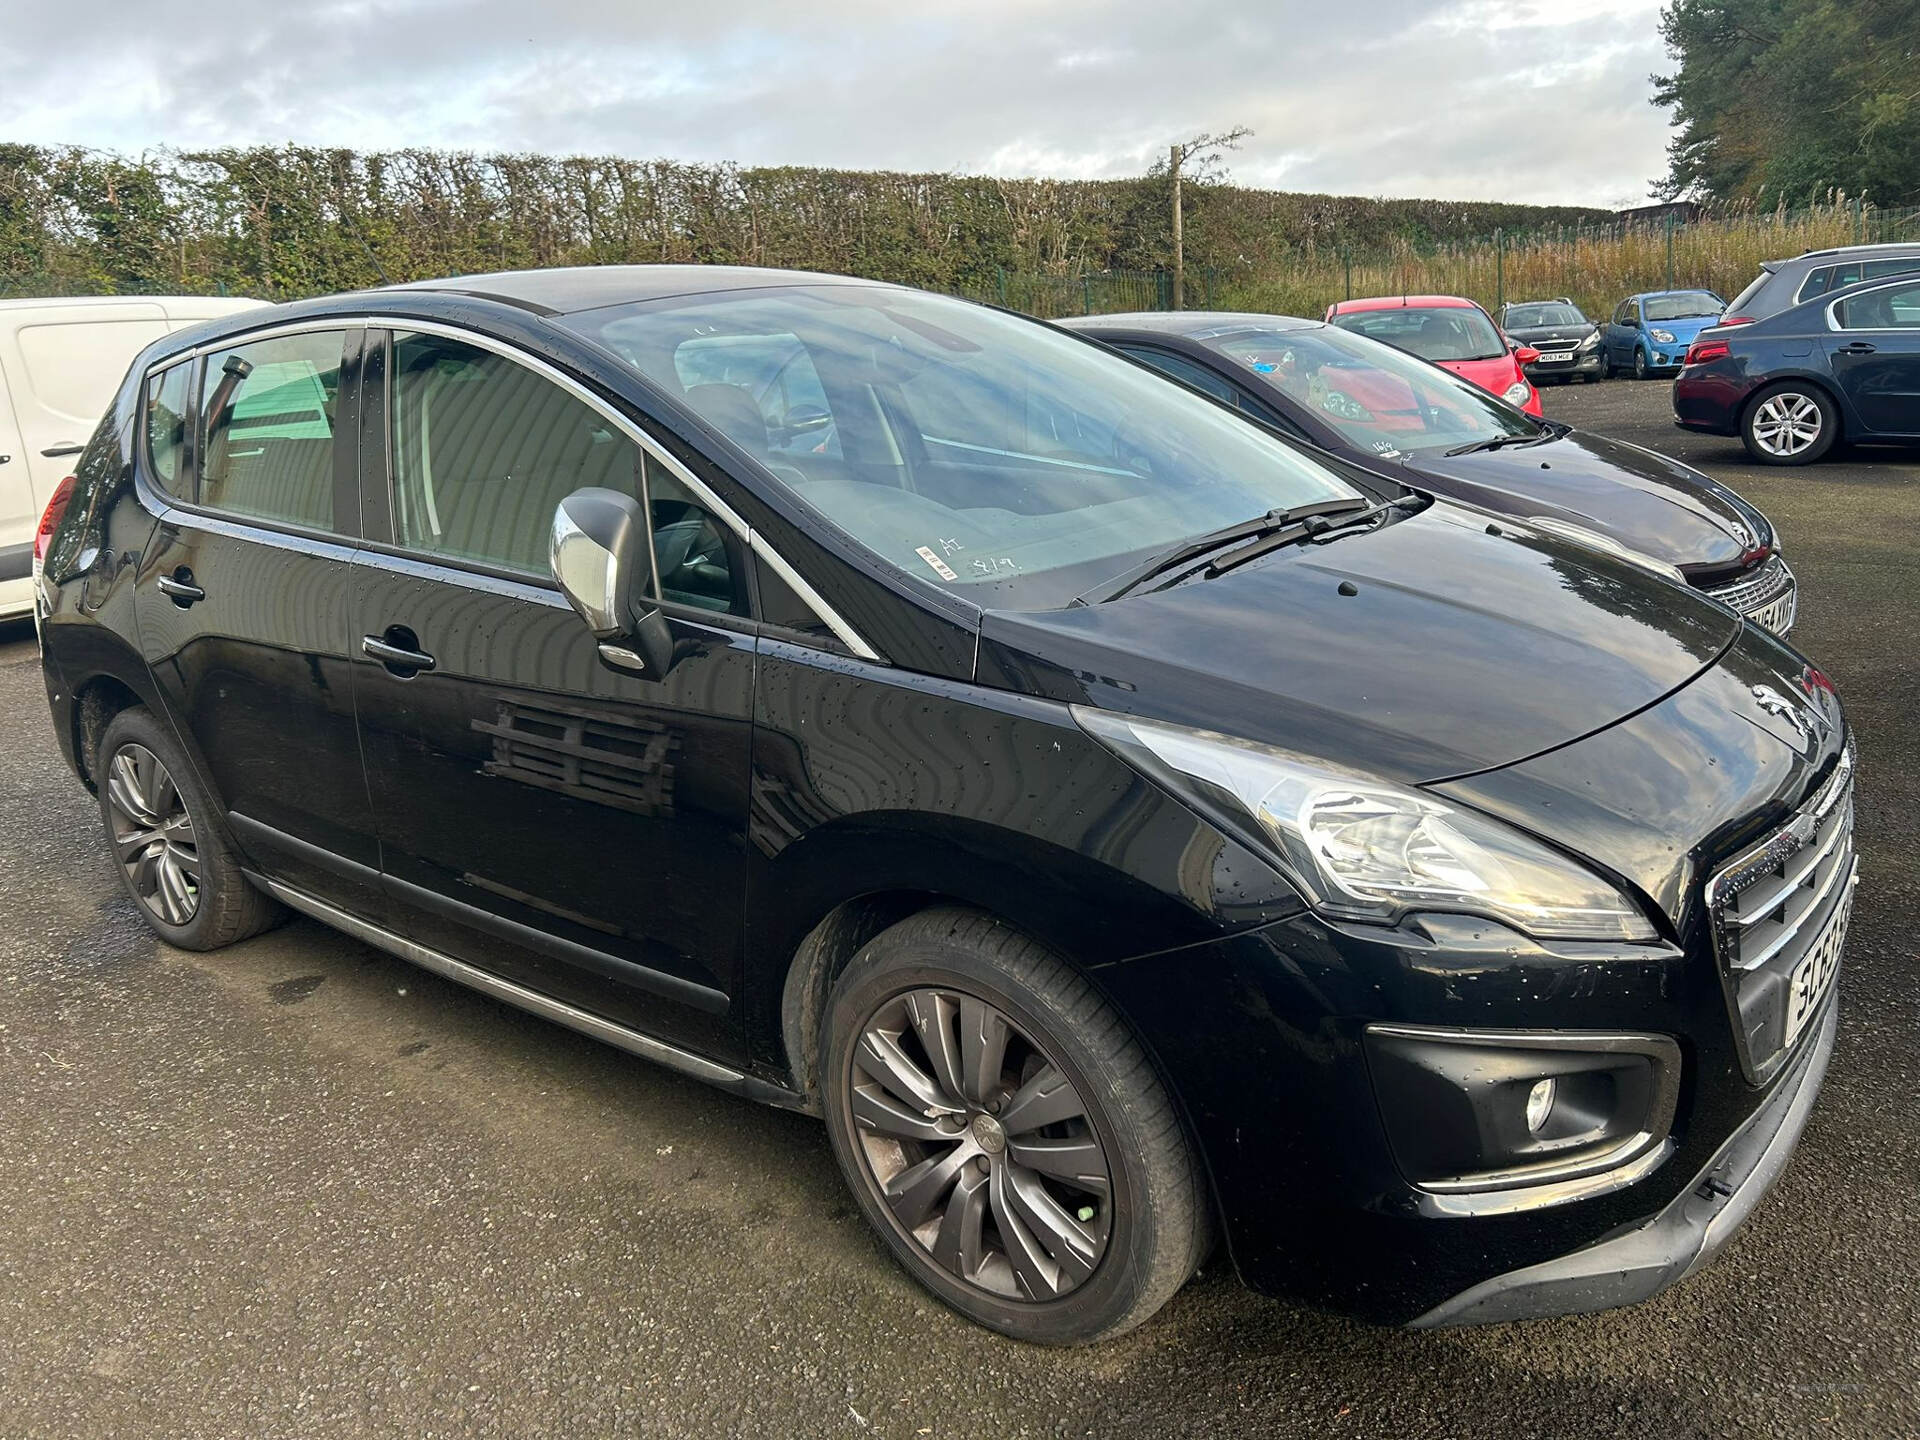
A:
{"points": [[1127, 830], [1568, 342]]}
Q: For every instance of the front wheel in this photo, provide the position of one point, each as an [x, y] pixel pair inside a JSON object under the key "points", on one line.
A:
{"points": [[1789, 424], [1003, 1130], [1641, 370]]}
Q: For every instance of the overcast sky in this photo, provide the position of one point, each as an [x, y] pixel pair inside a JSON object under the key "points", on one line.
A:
{"points": [[1523, 100]]}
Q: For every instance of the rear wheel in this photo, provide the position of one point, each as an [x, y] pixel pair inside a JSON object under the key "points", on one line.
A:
{"points": [[1789, 424], [168, 847], [1005, 1133]]}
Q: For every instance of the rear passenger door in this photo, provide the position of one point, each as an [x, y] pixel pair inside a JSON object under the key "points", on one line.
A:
{"points": [[1875, 354], [242, 597], [572, 828]]}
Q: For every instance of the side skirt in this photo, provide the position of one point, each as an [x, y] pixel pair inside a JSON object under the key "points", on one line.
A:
{"points": [[532, 1001]]}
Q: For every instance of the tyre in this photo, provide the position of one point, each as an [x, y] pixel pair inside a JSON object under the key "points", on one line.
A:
{"points": [[1606, 363], [1641, 370], [168, 845], [1789, 424], [1006, 1134]]}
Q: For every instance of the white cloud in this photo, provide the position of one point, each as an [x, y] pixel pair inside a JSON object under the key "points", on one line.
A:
{"points": [[1486, 99]]}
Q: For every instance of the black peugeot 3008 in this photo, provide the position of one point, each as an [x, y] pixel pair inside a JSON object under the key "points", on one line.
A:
{"points": [[1126, 831]]}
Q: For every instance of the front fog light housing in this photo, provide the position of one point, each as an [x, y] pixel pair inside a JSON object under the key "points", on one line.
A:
{"points": [[1499, 1111], [1362, 848]]}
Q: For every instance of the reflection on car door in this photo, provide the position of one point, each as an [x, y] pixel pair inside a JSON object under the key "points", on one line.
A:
{"points": [[570, 827], [242, 598], [1876, 357]]}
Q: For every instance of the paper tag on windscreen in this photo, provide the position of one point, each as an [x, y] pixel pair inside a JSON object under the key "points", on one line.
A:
{"points": [[940, 567]]}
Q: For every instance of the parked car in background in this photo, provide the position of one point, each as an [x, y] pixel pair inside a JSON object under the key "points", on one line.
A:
{"points": [[1121, 826], [1782, 284], [1568, 342], [60, 361], [1449, 332], [1428, 428], [1839, 367], [1649, 334]]}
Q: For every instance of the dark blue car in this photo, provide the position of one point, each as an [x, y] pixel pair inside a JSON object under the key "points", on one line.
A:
{"points": [[1649, 333], [1843, 366]]}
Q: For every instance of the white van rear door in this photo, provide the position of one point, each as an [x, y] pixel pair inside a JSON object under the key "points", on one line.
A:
{"points": [[17, 513], [62, 365]]}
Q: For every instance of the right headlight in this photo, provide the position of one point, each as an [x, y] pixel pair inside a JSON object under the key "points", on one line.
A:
{"points": [[1366, 849]]}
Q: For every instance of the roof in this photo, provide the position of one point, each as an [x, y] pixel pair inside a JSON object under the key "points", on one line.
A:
{"points": [[589, 287], [1909, 246], [1194, 324], [1677, 290], [1397, 302]]}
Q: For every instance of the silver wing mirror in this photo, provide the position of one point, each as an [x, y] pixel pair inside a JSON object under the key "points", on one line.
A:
{"points": [[600, 555]]}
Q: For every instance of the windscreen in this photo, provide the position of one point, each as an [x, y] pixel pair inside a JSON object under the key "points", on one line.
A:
{"points": [[1377, 397], [1694, 305], [1529, 317], [1453, 332], [992, 455]]}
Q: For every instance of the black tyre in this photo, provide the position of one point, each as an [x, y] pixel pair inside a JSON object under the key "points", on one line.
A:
{"points": [[1005, 1133], [1789, 424], [168, 845], [1641, 370], [1606, 363]]}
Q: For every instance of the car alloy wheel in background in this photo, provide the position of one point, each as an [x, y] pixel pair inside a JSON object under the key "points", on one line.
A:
{"points": [[1789, 425]]}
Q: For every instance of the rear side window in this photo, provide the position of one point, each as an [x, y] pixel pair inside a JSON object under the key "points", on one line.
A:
{"points": [[485, 449], [1198, 376], [166, 412], [1895, 308], [268, 409]]}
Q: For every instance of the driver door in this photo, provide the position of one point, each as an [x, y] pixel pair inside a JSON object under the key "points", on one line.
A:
{"points": [[570, 827]]}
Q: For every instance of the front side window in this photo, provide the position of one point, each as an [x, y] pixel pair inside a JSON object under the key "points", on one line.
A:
{"points": [[1692, 305], [1895, 308], [1624, 315], [979, 451], [484, 449], [268, 410], [166, 412], [1377, 397], [1439, 333]]}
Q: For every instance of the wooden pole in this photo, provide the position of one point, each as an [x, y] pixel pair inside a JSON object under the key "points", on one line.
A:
{"points": [[1179, 252]]}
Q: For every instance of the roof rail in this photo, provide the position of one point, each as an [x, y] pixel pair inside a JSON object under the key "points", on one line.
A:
{"points": [[1856, 249]]}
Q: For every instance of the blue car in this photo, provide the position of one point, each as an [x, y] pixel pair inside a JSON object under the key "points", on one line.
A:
{"points": [[1649, 333]]}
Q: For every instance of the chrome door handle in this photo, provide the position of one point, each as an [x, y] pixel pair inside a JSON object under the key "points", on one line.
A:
{"points": [[182, 589], [395, 657]]}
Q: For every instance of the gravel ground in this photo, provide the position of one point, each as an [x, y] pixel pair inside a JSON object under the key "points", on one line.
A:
{"points": [[299, 1188]]}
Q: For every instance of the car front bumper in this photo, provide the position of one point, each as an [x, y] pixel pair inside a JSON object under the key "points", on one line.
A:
{"points": [[1642, 1261]]}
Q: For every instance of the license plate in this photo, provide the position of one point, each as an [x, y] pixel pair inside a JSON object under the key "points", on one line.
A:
{"points": [[1555, 357], [1814, 975]]}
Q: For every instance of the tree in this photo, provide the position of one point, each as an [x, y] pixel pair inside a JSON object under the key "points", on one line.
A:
{"points": [[1788, 100], [1202, 152]]}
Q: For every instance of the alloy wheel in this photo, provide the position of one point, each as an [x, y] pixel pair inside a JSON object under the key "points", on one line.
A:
{"points": [[1786, 424], [153, 836], [980, 1146]]}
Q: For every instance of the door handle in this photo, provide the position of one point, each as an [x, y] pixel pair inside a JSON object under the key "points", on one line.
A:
{"points": [[396, 651], [62, 450], [1858, 347], [181, 587]]}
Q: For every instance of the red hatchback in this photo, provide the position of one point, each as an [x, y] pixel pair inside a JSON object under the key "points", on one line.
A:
{"points": [[1453, 333]]}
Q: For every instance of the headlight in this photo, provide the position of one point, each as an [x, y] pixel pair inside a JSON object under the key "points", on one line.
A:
{"points": [[1517, 393], [1663, 337], [1594, 540], [1592, 342], [1364, 848]]}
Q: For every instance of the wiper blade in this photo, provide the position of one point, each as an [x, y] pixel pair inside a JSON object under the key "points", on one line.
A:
{"points": [[1290, 518], [1549, 430], [1319, 530]]}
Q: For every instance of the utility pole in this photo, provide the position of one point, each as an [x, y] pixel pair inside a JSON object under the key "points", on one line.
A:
{"points": [[1178, 155]]}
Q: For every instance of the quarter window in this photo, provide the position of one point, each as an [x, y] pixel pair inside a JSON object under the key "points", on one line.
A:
{"points": [[167, 395], [269, 410], [484, 449]]}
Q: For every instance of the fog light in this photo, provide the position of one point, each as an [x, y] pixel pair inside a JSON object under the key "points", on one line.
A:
{"points": [[1540, 1104]]}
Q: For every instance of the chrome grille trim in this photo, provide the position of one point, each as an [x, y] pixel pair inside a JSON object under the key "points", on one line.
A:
{"points": [[1769, 596], [1772, 904]]}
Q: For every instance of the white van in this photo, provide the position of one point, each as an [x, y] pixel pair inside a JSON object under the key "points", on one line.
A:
{"points": [[60, 362]]}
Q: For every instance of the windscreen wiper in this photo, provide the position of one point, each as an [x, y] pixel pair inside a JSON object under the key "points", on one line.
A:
{"points": [[1292, 518], [1319, 530], [1549, 430]]}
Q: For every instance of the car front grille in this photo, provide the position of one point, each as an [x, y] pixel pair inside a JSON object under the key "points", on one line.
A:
{"points": [[1785, 901], [1769, 596]]}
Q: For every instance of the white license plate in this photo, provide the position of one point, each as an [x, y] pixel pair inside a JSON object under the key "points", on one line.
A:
{"points": [[1555, 357], [1814, 975]]}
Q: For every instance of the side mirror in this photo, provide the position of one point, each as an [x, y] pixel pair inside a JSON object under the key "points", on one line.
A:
{"points": [[1631, 322], [600, 554], [1526, 354]]}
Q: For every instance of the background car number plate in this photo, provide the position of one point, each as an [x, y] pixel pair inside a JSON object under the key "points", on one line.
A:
{"points": [[1813, 976]]}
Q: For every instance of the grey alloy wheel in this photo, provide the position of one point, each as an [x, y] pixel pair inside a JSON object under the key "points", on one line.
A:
{"points": [[153, 835], [979, 1145]]}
